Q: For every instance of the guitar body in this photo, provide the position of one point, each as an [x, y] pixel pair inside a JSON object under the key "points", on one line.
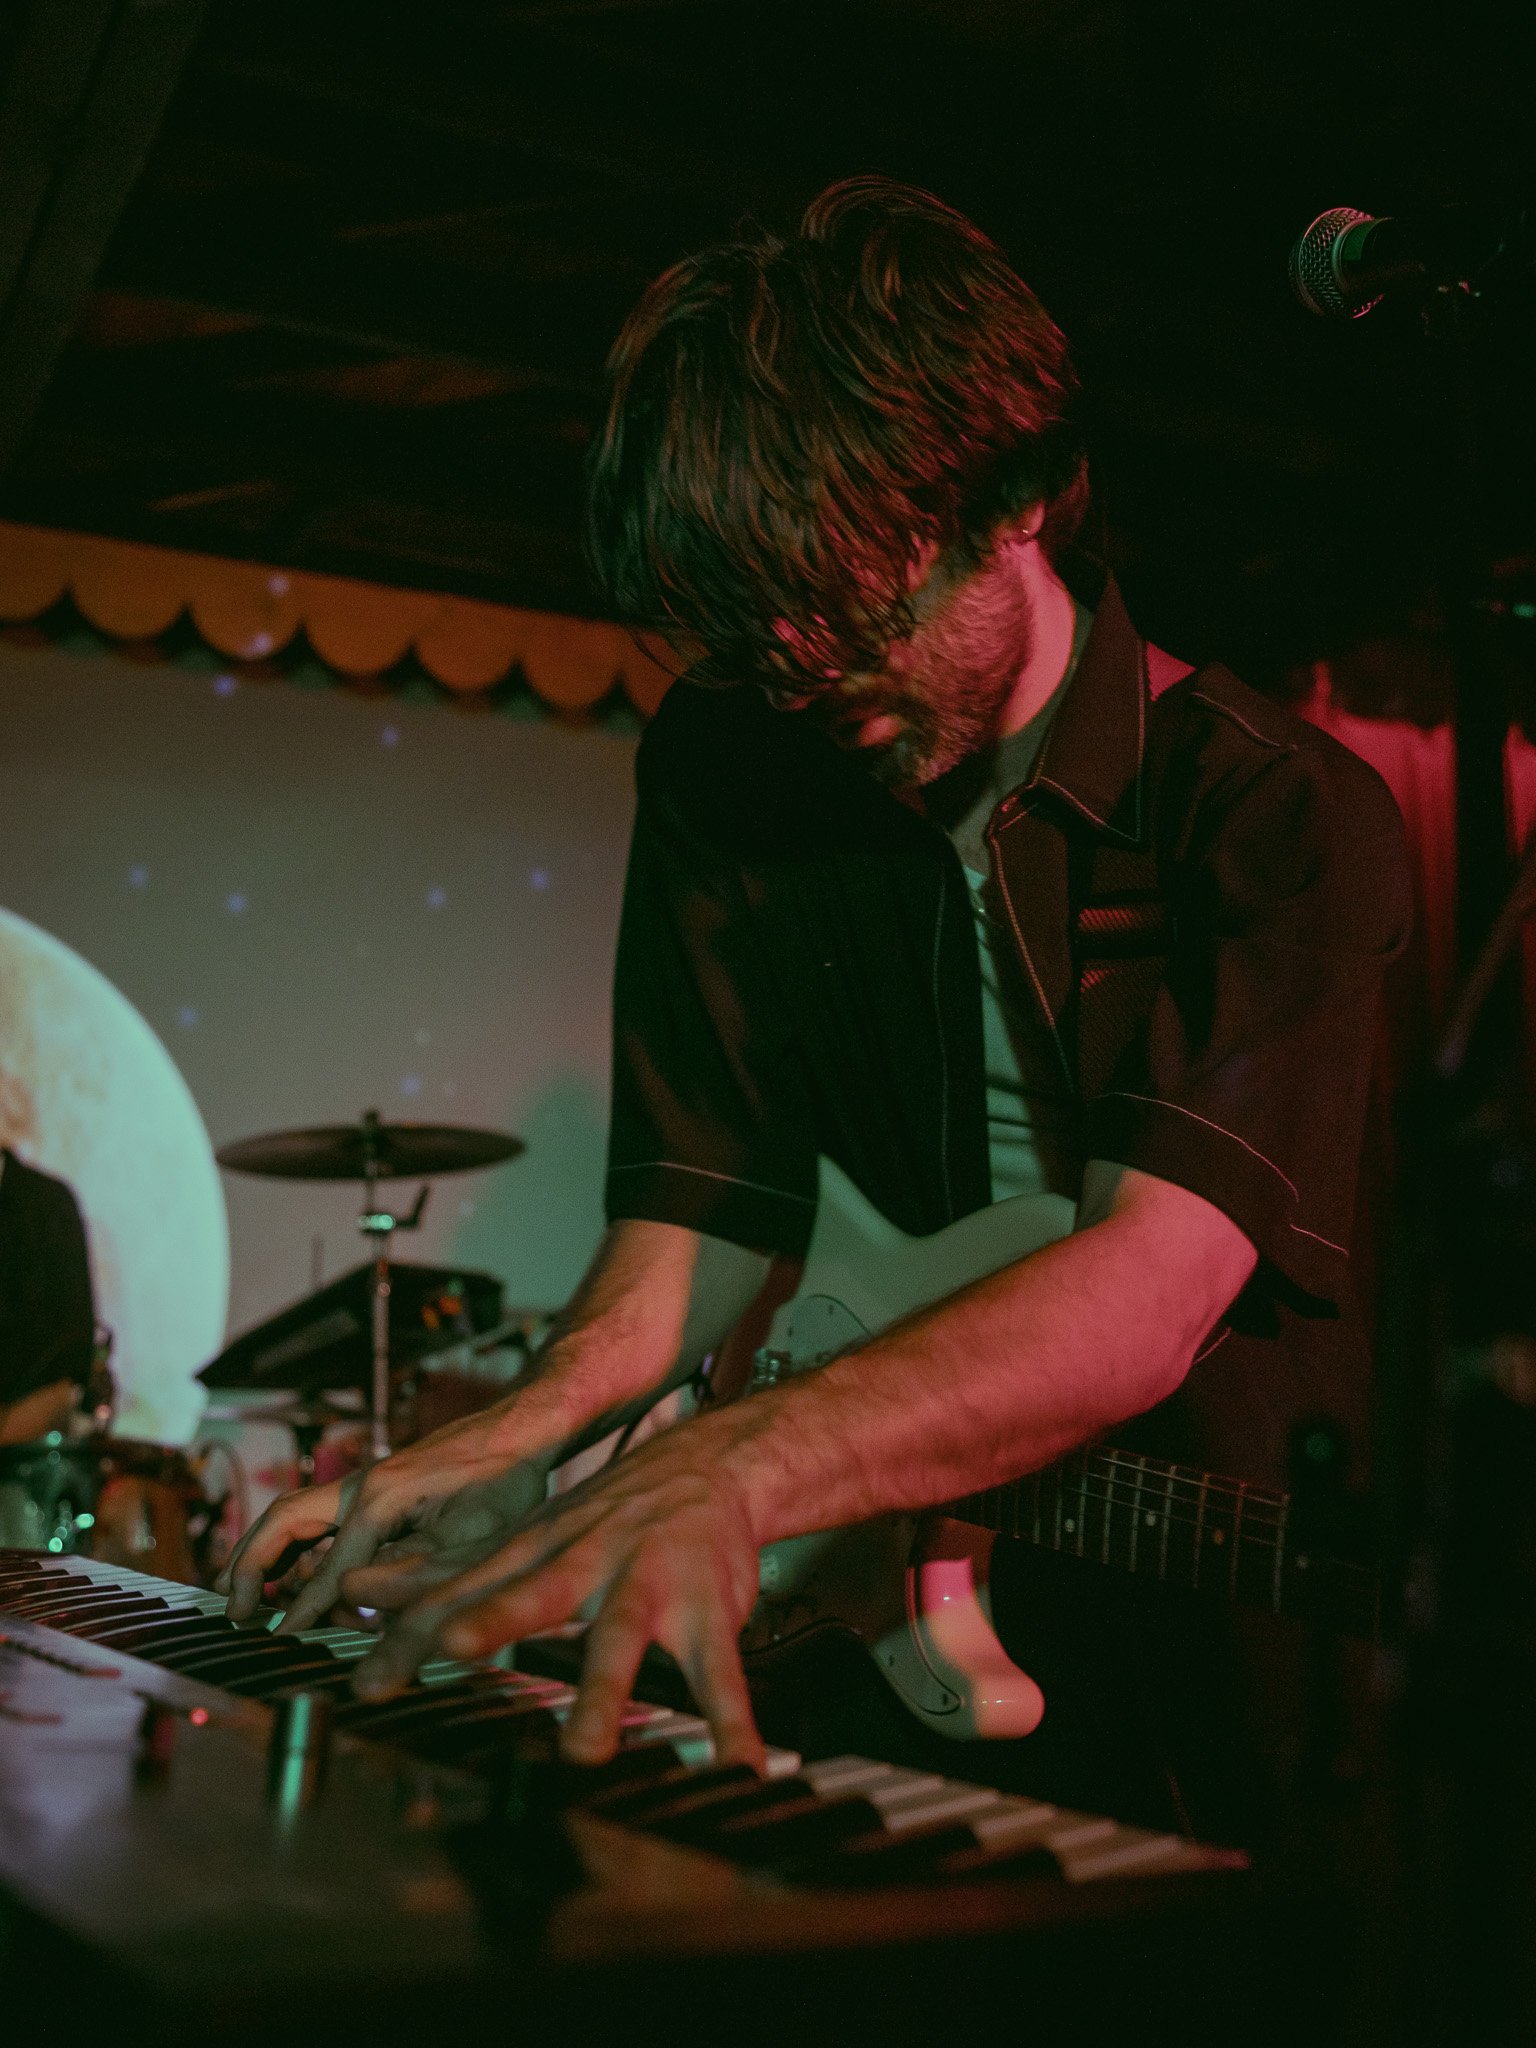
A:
{"points": [[914, 1590]]}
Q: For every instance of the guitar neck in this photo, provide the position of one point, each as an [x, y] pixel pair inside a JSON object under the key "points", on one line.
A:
{"points": [[1182, 1527]]}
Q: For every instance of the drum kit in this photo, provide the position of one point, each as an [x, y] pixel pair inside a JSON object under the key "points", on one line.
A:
{"points": [[345, 1354]]}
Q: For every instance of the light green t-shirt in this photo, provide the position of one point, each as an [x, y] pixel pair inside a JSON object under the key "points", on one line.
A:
{"points": [[1030, 1120]]}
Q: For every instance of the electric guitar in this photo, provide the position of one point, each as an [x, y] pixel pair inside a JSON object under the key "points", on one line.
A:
{"points": [[914, 1588]]}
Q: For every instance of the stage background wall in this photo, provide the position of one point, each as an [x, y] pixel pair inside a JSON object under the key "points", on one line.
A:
{"points": [[324, 898], [322, 901]]}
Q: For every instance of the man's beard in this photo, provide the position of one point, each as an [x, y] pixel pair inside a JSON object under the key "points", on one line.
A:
{"points": [[950, 681]]}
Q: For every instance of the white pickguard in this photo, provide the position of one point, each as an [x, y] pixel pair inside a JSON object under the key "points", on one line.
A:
{"points": [[914, 1591], [862, 1264]]}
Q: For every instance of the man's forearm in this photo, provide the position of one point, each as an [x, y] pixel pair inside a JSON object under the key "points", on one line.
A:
{"points": [[654, 1301], [998, 1380]]}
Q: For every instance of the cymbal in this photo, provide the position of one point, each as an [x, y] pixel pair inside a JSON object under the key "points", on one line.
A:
{"points": [[369, 1150], [288, 1413]]}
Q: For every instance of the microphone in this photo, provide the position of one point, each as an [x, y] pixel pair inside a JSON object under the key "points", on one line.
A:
{"points": [[1347, 261]]}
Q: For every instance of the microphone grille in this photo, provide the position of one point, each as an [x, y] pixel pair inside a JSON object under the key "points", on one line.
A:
{"points": [[1314, 276]]}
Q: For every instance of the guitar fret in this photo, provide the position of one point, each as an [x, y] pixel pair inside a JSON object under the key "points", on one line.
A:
{"points": [[1109, 1502], [1199, 1531], [1190, 1512], [1141, 1476]]}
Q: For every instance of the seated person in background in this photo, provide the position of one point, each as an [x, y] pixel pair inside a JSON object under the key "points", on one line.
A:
{"points": [[47, 1309]]}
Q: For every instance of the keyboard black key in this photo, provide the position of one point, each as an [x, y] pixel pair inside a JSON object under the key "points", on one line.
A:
{"points": [[16, 1572], [135, 1634], [96, 1611], [37, 1604], [632, 1769], [915, 1857], [633, 1802], [690, 1817], [230, 1663], [801, 1834], [445, 1719]]}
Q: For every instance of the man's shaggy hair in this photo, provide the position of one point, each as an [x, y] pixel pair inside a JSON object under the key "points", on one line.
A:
{"points": [[792, 422]]}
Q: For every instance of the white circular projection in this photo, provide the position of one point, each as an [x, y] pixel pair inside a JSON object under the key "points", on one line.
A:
{"points": [[88, 1093]]}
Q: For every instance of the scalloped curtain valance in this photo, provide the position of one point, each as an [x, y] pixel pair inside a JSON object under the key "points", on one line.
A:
{"points": [[249, 612]]}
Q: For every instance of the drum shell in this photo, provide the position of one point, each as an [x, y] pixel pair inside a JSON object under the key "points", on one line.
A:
{"points": [[48, 1495], [147, 1495]]}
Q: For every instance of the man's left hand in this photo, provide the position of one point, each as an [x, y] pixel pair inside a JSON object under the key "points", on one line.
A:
{"points": [[659, 1544]]}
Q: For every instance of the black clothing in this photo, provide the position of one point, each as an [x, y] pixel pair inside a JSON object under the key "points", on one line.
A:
{"points": [[47, 1312], [1204, 890]]}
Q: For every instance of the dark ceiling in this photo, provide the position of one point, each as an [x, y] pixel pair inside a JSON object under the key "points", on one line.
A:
{"points": [[329, 283]]}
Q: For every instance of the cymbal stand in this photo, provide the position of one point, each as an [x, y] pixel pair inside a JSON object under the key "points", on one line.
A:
{"points": [[379, 1226]]}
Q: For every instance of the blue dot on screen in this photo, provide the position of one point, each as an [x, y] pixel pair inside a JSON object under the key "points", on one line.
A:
{"points": [[224, 686], [187, 1017], [390, 736], [539, 879], [411, 1085], [436, 898], [234, 904], [138, 878]]}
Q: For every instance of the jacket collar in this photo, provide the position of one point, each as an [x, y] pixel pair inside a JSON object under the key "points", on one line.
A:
{"points": [[1093, 754]]}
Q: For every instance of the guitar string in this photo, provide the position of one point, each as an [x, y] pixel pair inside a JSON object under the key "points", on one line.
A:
{"points": [[1173, 1519], [1143, 1504], [1173, 1482], [1160, 1494], [1178, 1482], [1183, 1475], [1351, 1587]]}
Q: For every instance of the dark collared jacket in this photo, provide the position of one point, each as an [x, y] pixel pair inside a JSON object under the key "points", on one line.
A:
{"points": [[1204, 891]]}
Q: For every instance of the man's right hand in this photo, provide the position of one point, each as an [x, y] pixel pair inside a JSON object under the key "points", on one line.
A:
{"points": [[655, 1294], [402, 1494]]}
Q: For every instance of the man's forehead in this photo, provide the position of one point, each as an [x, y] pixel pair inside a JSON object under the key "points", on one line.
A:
{"points": [[805, 644]]}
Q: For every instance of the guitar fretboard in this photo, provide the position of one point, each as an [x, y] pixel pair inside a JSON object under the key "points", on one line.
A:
{"points": [[1180, 1526]]}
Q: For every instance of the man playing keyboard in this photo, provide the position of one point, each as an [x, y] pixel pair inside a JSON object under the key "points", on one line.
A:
{"points": [[941, 872]]}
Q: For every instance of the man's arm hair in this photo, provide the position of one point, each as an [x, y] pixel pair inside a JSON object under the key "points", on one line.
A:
{"points": [[999, 1378], [654, 1302]]}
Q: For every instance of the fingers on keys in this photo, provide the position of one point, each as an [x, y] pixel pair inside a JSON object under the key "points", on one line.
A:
{"points": [[616, 1643], [394, 1581], [700, 1637], [697, 1631], [297, 1519], [356, 1541], [719, 1685]]}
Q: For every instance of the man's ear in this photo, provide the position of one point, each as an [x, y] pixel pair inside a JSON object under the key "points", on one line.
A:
{"points": [[1022, 529]]}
